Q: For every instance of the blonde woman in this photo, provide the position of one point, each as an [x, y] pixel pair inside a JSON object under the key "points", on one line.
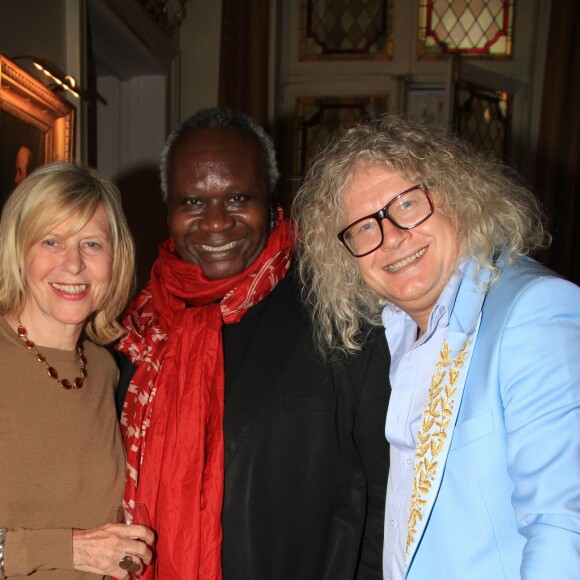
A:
{"points": [[66, 272]]}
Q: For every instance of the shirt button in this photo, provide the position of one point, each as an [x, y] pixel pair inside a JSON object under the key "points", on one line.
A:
{"points": [[408, 461], [392, 523]]}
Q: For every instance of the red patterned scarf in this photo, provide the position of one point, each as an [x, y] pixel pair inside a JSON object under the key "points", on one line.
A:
{"points": [[173, 412]]}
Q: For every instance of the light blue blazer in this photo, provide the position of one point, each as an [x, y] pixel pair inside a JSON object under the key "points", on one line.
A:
{"points": [[503, 501]]}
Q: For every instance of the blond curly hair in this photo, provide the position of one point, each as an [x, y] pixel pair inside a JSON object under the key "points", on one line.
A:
{"points": [[493, 210]]}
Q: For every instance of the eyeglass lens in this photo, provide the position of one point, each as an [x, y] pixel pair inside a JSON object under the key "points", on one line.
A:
{"points": [[405, 211]]}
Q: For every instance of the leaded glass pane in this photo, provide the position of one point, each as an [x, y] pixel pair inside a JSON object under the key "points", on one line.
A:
{"points": [[483, 117], [318, 118], [474, 28], [346, 29]]}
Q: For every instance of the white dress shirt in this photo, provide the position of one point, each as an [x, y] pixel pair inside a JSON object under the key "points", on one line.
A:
{"points": [[412, 365]]}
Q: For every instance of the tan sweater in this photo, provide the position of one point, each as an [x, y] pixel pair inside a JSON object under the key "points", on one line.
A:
{"points": [[62, 462]]}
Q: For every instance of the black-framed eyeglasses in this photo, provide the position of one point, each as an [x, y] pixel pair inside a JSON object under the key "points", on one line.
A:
{"points": [[406, 210]]}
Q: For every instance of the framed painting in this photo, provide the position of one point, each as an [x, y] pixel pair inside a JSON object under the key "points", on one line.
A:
{"points": [[36, 126]]}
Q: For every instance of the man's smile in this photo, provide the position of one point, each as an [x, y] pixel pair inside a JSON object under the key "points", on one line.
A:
{"points": [[223, 248], [402, 263]]}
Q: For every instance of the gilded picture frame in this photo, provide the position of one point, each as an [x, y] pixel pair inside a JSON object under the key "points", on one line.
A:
{"points": [[36, 125]]}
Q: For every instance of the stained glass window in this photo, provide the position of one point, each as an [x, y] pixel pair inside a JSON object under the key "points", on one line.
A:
{"points": [[318, 118], [346, 29], [483, 117], [473, 28]]}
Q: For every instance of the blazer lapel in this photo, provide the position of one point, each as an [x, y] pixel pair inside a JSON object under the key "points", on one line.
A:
{"points": [[442, 406]]}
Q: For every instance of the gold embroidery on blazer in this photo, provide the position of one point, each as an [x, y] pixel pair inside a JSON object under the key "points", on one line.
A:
{"points": [[431, 438]]}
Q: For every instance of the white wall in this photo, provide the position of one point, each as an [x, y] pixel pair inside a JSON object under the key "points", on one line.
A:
{"points": [[33, 27], [200, 53]]}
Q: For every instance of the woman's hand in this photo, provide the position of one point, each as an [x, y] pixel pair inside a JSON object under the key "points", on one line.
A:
{"points": [[101, 549]]}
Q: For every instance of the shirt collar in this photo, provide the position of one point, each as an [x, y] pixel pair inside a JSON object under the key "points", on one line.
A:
{"points": [[394, 318]]}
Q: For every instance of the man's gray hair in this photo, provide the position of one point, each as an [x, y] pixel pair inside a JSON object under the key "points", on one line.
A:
{"points": [[224, 118]]}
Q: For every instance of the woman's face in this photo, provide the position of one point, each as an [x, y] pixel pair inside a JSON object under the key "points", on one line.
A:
{"points": [[218, 200], [67, 278]]}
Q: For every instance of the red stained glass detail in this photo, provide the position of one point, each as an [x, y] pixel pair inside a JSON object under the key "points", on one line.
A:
{"points": [[29, 344], [79, 383], [52, 372], [470, 27], [41, 358]]}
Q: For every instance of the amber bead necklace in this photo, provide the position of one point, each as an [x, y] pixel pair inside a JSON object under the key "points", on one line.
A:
{"points": [[52, 372]]}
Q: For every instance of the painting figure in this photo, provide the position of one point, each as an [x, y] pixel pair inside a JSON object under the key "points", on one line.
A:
{"points": [[24, 164]]}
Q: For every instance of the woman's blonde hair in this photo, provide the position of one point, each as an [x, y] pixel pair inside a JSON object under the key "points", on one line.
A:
{"points": [[49, 196], [493, 212]]}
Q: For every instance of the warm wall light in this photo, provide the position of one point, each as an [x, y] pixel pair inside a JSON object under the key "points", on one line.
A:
{"points": [[62, 80]]}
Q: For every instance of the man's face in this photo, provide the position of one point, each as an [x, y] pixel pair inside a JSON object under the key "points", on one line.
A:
{"points": [[218, 200], [411, 267], [22, 160]]}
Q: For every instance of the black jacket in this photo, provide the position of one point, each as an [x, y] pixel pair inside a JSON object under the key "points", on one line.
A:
{"points": [[306, 461]]}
